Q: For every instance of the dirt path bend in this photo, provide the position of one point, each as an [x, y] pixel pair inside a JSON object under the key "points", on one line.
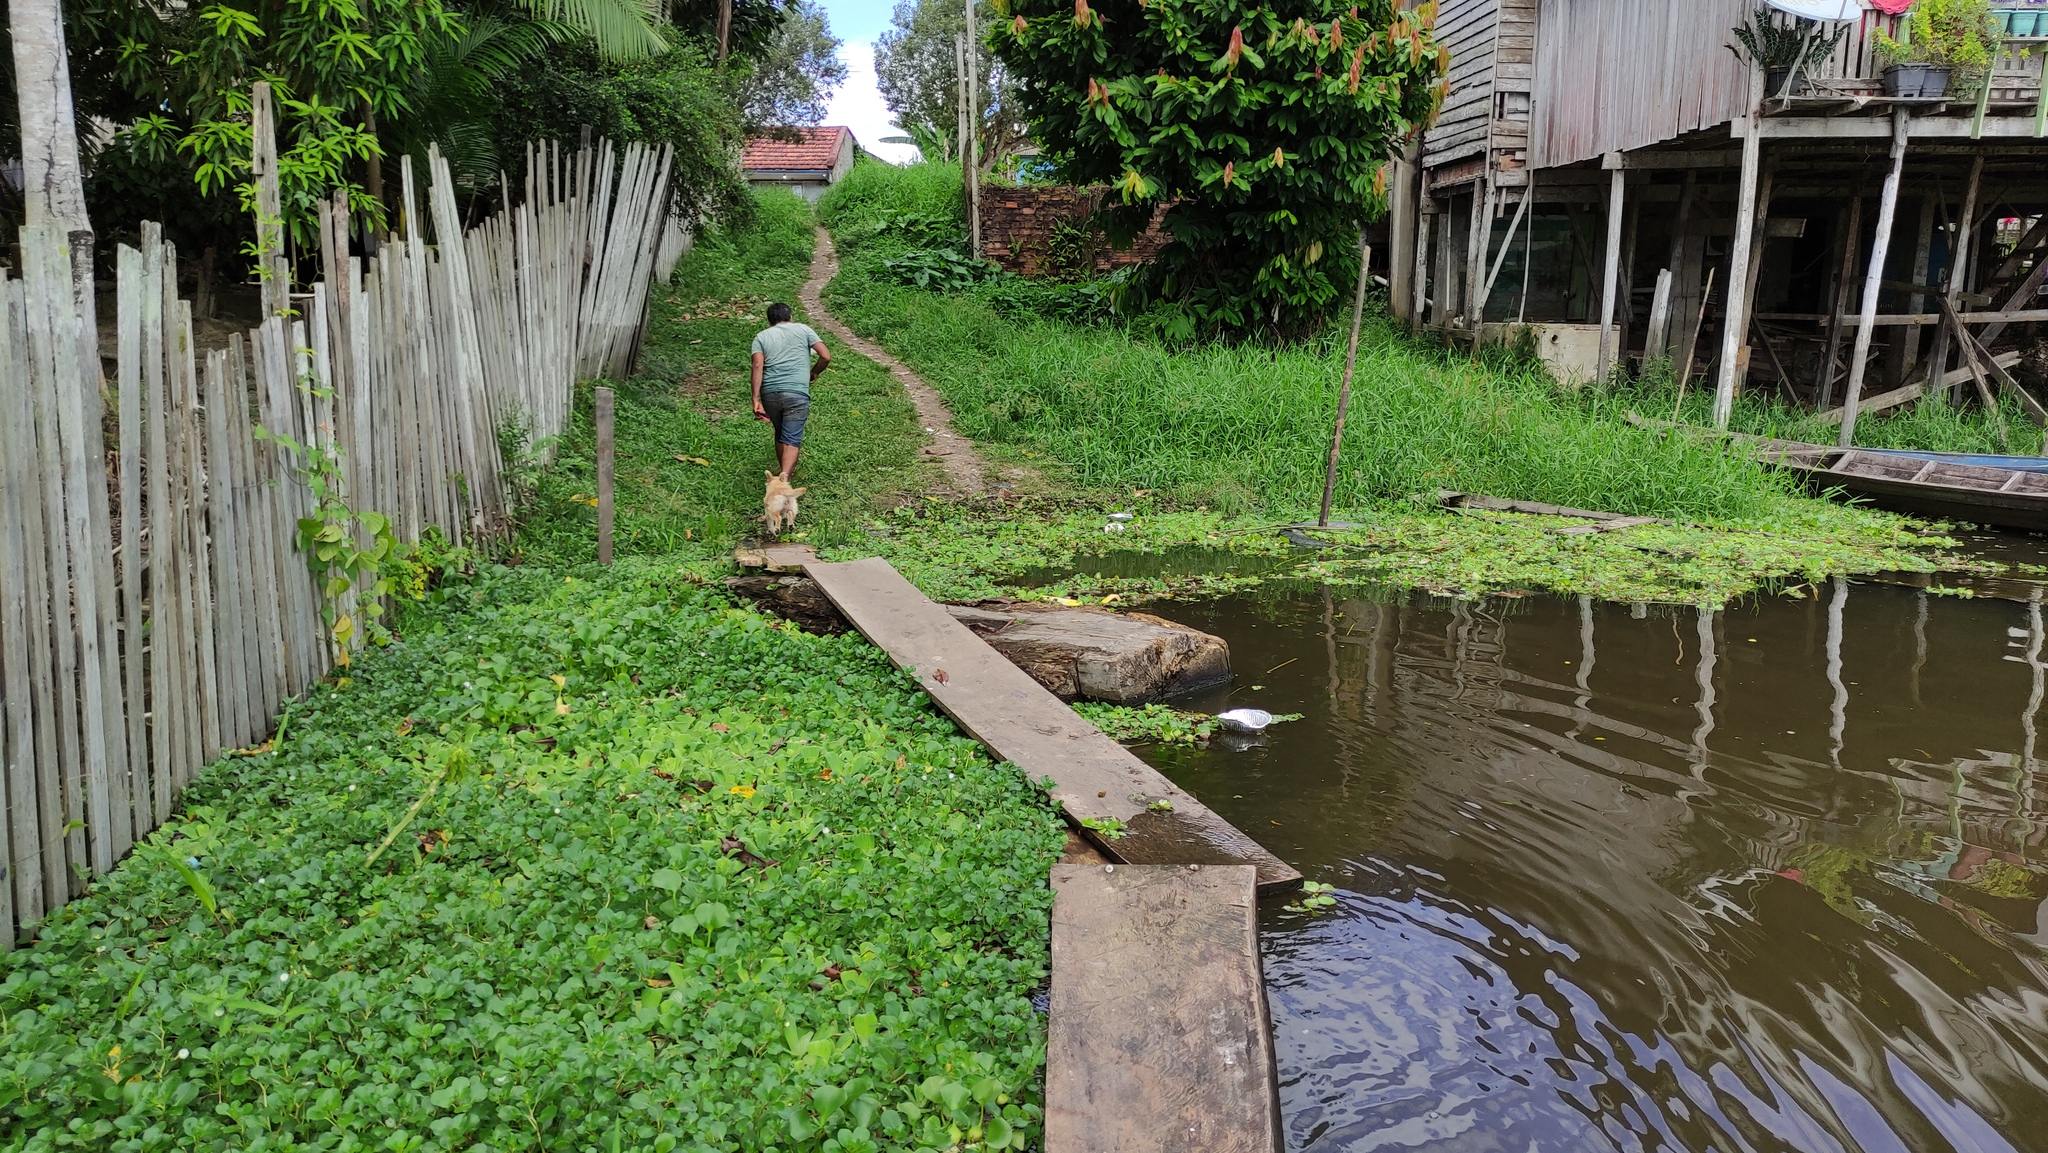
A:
{"points": [[966, 471]]}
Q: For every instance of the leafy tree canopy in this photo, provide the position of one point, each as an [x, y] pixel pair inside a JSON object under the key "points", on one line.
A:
{"points": [[793, 75], [915, 68], [671, 99], [1265, 129], [359, 82]]}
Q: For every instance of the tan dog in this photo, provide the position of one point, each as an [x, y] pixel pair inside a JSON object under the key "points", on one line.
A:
{"points": [[780, 503]]}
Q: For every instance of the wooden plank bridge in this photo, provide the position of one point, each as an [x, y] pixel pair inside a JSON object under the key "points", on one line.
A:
{"points": [[1159, 1034]]}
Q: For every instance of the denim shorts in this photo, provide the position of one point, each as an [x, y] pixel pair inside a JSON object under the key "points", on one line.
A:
{"points": [[787, 412]]}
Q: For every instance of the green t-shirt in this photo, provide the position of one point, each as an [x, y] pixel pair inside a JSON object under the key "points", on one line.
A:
{"points": [[785, 357]]}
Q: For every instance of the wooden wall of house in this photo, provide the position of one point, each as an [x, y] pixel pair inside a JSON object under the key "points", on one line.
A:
{"points": [[1514, 71], [1619, 74], [1468, 28]]}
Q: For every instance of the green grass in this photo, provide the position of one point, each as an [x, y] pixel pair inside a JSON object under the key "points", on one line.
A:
{"points": [[723, 886], [1221, 443], [691, 399], [1246, 427]]}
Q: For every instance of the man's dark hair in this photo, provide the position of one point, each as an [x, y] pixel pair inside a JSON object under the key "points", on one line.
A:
{"points": [[778, 313]]}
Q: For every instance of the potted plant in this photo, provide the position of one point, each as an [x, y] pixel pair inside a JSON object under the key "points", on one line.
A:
{"points": [[1784, 51], [1939, 40]]}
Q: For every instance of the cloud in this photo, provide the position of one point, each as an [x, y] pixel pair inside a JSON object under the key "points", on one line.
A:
{"points": [[858, 105]]}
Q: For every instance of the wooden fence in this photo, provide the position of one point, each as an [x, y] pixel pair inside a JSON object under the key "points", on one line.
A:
{"points": [[154, 611]]}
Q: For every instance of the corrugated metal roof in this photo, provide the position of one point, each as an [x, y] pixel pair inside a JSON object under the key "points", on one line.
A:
{"points": [[817, 151], [1619, 74]]}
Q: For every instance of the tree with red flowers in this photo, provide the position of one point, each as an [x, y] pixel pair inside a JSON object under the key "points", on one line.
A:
{"points": [[1266, 129]]}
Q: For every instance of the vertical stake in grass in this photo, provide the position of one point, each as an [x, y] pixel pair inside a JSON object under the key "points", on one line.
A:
{"points": [[604, 475], [1344, 391]]}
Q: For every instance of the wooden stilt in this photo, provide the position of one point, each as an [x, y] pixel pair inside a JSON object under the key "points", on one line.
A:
{"points": [[1656, 342], [1611, 271], [1401, 228], [1521, 210], [1692, 342], [1958, 264], [1420, 315], [1475, 249], [1344, 392], [1887, 211], [1736, 323], [1760, 234], [1923, 252], [1851, 239]]}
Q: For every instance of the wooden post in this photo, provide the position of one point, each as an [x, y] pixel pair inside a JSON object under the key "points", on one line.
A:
{"points": [[1344, 392], [1401, 226], [1423, 220], [1963, 253], [604, 475], [1692, 342], [1507, 242], [1656, 342], [1610, 273], [1923, 252], [1478, 242], [1735, 322], [1873, 279], [1852, 239], [973, 153], [1528, 254], [276, 285], [1760, 233], [1952, 278], [960, 107]]}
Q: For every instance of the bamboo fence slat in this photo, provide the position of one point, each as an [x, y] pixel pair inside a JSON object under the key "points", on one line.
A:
{"points": [[155, 610]]}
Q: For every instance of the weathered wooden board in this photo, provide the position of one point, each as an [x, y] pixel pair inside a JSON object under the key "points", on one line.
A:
{"points": [[999, 704], [1159, 1037]]}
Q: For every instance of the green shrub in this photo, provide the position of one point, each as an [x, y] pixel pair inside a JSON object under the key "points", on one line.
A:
{"points": [[1264, 133], [930, 190], [661, 874], [939, 269]]}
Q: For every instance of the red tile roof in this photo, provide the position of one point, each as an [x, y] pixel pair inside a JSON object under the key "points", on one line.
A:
{"points": [[817, 151]]}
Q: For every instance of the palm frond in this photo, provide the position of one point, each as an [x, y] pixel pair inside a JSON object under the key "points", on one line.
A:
{"points": [[621, 29]]}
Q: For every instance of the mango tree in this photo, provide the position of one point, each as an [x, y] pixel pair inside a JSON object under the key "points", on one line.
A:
{"points": [[1265, 130]]}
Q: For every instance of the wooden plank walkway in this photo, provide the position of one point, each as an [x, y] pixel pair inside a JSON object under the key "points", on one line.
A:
{"points": [[1159, 1037], [1002, 707]]}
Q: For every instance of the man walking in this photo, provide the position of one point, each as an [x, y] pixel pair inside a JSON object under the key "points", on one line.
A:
{"points": [[783, 372]]}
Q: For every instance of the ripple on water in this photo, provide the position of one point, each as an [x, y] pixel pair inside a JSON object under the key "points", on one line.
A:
{"points": [[1765, 879]]}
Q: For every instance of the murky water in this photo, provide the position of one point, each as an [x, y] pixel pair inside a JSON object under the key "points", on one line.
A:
{"points": [[1769, 878]]}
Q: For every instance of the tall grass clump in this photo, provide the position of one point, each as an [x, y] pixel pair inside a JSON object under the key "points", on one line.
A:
{"points": [[777, 235], [1932, 423], [1246, 427], [927, 197]]}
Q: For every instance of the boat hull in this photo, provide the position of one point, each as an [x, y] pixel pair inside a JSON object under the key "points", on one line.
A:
{"points": [[2013, 495]]}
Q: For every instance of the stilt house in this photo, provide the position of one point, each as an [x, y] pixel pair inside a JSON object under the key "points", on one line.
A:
{"points": [[1609, 174]]}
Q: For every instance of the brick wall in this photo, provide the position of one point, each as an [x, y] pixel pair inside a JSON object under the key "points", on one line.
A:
{"points": [[1020, 230]]}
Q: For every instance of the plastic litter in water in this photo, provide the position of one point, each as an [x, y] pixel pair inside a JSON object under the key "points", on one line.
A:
{"points": [[1245, 720]]}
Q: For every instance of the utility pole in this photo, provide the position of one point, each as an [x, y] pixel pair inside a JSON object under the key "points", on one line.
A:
{"points": [[973, 141], [960, 107]]}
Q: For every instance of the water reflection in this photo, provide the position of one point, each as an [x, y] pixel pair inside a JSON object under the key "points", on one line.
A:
{"points": [[1760, 879]]}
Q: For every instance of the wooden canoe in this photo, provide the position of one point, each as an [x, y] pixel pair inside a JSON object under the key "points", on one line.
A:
{"points": [[2004, 491]]}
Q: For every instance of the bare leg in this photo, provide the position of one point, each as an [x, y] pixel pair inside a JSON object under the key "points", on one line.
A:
{"points": [[786, 455]]}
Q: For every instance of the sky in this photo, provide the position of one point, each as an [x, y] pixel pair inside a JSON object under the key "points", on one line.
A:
{"points": [[858, 103]]}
